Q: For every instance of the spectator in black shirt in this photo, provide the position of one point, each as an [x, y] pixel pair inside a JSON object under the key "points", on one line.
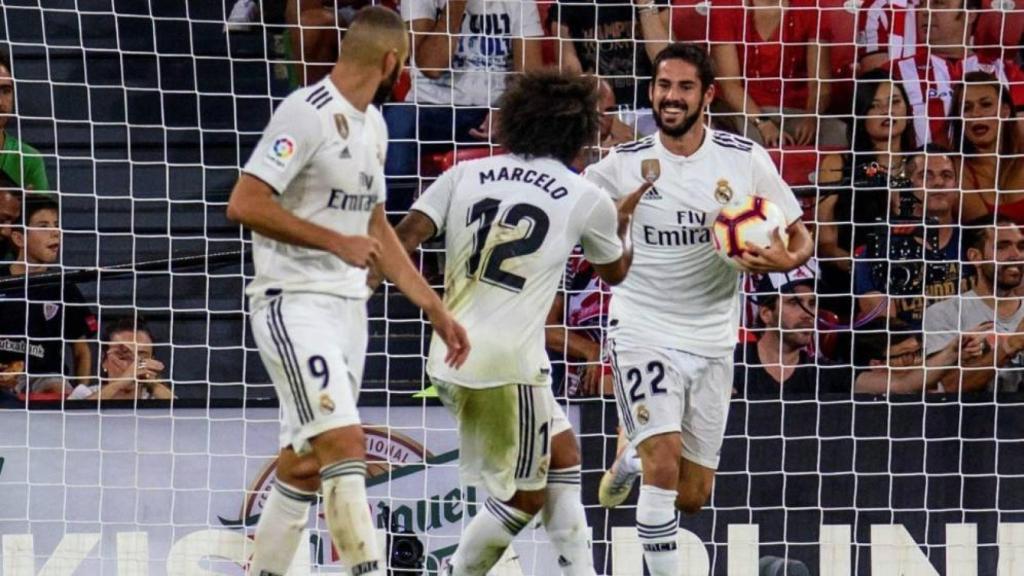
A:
{"points": [[40, 313], [889, 275], [615, 40], [779, 362]]}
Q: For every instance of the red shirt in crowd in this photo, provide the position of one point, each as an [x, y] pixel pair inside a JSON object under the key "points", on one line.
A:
{"points": [[774, 68]]}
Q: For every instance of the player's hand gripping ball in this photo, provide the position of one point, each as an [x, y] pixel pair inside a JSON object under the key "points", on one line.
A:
{"points": [[746, 219]]}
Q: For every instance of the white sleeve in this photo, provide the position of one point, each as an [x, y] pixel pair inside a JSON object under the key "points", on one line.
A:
{"points": [[601, 244], [420, 9], [605, 174], [379, 179], [769, 184], [288, 142], [436, 200], [529, 20]]}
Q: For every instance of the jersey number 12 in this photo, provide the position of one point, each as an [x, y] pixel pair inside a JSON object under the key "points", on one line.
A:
{"points": [[486, 212]]}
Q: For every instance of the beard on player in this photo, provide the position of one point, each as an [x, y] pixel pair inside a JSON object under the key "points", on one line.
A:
{"points": [[672, 118]]}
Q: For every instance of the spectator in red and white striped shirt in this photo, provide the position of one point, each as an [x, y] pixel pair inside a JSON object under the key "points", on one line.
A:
{"points": [[931, 74], [887, 30]]}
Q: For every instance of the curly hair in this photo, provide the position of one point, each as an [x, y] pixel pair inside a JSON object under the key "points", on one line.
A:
{"points": [[549, 114]]}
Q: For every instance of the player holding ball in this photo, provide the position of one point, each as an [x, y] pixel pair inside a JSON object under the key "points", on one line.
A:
{"points": [[674, 319]]}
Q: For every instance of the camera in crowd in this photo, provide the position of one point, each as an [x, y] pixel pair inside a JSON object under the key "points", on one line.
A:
{"points": [[901, 233]]}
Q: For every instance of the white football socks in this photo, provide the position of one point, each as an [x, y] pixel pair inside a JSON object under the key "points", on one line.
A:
{"points": [[657, 524], [348, 517], [486, 538], [566, 522], [279, 530]]}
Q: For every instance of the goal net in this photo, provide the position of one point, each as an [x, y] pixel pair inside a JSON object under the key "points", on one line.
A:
{"points": [[131, 120]]}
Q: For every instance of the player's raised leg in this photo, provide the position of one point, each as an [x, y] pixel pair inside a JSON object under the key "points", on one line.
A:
{"points": [[617, 482], [505, 447]]}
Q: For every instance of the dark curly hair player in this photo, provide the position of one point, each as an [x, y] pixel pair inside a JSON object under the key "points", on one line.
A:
{"points": [[510, 223], [549, 114]]}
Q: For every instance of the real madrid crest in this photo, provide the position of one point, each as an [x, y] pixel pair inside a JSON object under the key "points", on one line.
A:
{"points": [[650, 169], [642, 415], [723, 193], [326, 404], [341, 123]]}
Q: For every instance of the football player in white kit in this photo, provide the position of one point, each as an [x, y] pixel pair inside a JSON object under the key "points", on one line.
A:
{"points": [[313, 195], [673, 322], [509, 223]]}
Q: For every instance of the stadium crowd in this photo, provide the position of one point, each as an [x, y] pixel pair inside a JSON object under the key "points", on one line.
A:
{"points": [[896, 123]]}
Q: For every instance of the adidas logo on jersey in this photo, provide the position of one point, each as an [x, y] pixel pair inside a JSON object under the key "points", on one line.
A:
{"points": [[345, 154], [651, 194]]}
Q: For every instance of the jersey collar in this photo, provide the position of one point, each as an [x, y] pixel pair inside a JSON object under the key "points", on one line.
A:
{"points": [[696, 156], [347, 106]]}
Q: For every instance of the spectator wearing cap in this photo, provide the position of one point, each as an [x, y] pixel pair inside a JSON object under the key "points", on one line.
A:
{"points": [[889, 359], [779, 362], [890, 278], [991, 309]]}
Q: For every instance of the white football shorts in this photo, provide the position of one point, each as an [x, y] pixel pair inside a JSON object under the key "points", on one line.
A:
{"points": [[314, 348], [660, 390], [505, 435]]}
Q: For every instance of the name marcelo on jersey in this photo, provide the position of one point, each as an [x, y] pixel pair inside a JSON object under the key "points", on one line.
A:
{"points": [[539, 179], [691, 229]]}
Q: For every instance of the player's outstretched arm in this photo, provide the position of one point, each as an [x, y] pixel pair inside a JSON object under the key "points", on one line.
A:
{"points": [[252, 205], [615, 272], [395, 265], [414, 229], [778, 257]]}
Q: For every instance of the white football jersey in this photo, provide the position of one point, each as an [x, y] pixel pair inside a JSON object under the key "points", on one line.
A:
{"points": [[325, 161], [680, 294], [509, 226]]}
